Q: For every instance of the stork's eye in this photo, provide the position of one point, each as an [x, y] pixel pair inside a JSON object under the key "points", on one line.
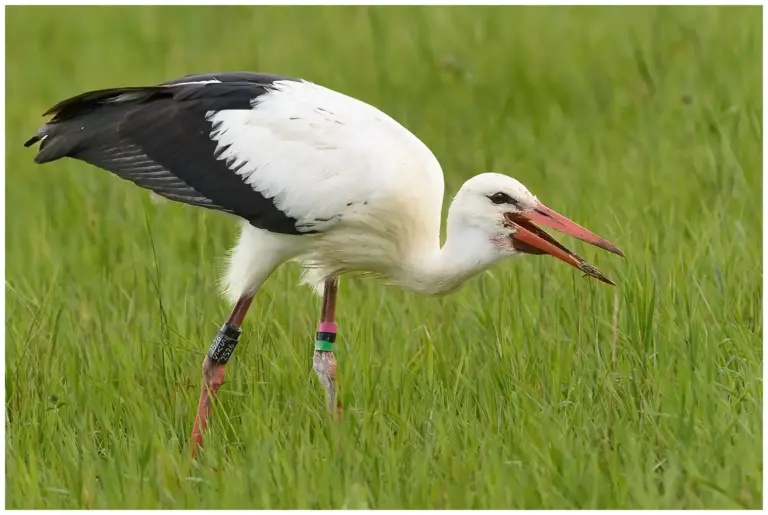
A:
{"points": [[502, 198]]}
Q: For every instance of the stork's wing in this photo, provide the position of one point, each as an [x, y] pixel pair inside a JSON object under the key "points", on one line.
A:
{"points": [[286, 155]]}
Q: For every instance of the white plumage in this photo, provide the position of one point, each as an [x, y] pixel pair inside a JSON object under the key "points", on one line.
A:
{"points": [[339, 166]]}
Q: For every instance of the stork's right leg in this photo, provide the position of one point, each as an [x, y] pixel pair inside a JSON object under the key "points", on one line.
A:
{"points": [[324, 361], [213, 367]]}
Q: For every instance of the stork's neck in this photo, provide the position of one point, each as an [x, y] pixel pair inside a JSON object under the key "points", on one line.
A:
{"points": [[440, 270]]}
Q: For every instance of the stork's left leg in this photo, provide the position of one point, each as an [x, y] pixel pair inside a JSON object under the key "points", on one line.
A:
{"points": [[324, 361], [213, 367]]}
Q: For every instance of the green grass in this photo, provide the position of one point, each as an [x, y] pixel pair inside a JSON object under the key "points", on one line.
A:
{"points": [[643, 124]]}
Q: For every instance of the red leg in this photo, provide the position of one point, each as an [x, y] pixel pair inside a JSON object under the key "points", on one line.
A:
{"points": [[324, 361], [213, 368]]}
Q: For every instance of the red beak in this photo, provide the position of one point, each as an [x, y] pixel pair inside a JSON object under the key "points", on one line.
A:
{"points": [[530, 238]]}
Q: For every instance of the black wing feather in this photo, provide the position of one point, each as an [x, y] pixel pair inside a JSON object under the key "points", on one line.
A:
{"points": [[158, 137]]}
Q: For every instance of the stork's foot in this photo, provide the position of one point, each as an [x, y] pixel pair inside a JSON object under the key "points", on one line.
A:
{"points": [[213, 378], [324, 363]]}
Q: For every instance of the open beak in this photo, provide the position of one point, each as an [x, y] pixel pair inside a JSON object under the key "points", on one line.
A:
{"points": [[532, 239]]}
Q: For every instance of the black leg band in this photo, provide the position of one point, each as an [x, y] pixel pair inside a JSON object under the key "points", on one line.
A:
{"points": [[324, 336], [224, 344]]}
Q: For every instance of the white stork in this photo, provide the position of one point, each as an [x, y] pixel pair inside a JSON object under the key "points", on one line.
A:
{"points": [[315, 176]]}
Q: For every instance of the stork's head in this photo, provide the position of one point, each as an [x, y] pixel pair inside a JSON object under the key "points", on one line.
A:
{"points": [[509, 215]]}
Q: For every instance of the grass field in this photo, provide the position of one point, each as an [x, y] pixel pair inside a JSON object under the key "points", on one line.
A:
{"points": [[643, 124]]}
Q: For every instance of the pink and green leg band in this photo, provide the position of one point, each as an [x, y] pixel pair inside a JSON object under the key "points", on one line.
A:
{"points": [[326, 336]]}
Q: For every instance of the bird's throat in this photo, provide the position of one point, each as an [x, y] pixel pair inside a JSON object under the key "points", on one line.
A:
{"points": [[444, 270]]}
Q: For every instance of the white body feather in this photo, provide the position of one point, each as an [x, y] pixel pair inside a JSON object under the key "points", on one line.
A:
{"points": [[369, 187]]}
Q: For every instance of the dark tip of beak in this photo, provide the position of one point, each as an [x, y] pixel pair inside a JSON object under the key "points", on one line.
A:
{"points": [[611, 248], [592, 271]]}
